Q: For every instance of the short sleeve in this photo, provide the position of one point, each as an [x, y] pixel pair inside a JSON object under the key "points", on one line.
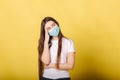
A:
{"points": [[71, 47]]}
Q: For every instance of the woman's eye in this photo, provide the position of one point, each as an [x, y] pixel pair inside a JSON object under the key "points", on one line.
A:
{"points": [[48, 28], [53, 24]]}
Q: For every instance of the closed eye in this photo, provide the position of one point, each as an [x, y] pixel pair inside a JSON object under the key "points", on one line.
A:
{"points": [[53, 24], [48, 28]]}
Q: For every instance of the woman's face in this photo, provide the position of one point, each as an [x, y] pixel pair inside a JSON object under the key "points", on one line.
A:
{"points": [[49, 25]]}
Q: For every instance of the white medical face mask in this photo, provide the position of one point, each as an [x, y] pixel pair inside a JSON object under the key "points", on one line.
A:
{"points": [[54, 31]]}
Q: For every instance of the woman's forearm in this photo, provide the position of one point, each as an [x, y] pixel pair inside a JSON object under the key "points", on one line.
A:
{"points": [[62, 66], [66, 66], [46, 54]]}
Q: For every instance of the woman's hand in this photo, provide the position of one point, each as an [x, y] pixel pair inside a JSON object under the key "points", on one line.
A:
{"points": [[51, 65]]}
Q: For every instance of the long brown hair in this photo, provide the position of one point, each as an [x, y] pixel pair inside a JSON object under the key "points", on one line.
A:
{"points": [[41, 44]]}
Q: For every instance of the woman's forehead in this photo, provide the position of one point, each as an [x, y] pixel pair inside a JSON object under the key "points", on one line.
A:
{"points": [[50, 23]]}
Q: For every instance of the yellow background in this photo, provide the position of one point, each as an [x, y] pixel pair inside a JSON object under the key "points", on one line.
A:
{"points": [[94, 25]]}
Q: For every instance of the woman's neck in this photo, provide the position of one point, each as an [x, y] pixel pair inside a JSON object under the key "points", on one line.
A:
{"points": [[55, 38]]}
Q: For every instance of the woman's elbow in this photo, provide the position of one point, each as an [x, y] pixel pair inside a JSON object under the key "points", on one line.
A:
{"points": [[71, 66]]}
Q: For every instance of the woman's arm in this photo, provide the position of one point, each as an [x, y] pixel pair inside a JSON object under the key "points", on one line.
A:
{"points": [[46, 54], [65, 66], [45, 58], [70, 62]]}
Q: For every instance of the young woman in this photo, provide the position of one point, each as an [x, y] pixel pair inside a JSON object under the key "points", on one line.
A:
{"points": [[56, 52]]}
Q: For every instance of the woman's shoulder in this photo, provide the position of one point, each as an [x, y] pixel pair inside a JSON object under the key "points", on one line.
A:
{"points": [[67, 40]]}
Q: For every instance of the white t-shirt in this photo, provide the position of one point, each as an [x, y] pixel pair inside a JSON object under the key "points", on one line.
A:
{"points": [[67, 46]]}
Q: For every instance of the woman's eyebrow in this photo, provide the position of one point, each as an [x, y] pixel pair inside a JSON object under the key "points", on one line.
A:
{"points": [[53, 24]]}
